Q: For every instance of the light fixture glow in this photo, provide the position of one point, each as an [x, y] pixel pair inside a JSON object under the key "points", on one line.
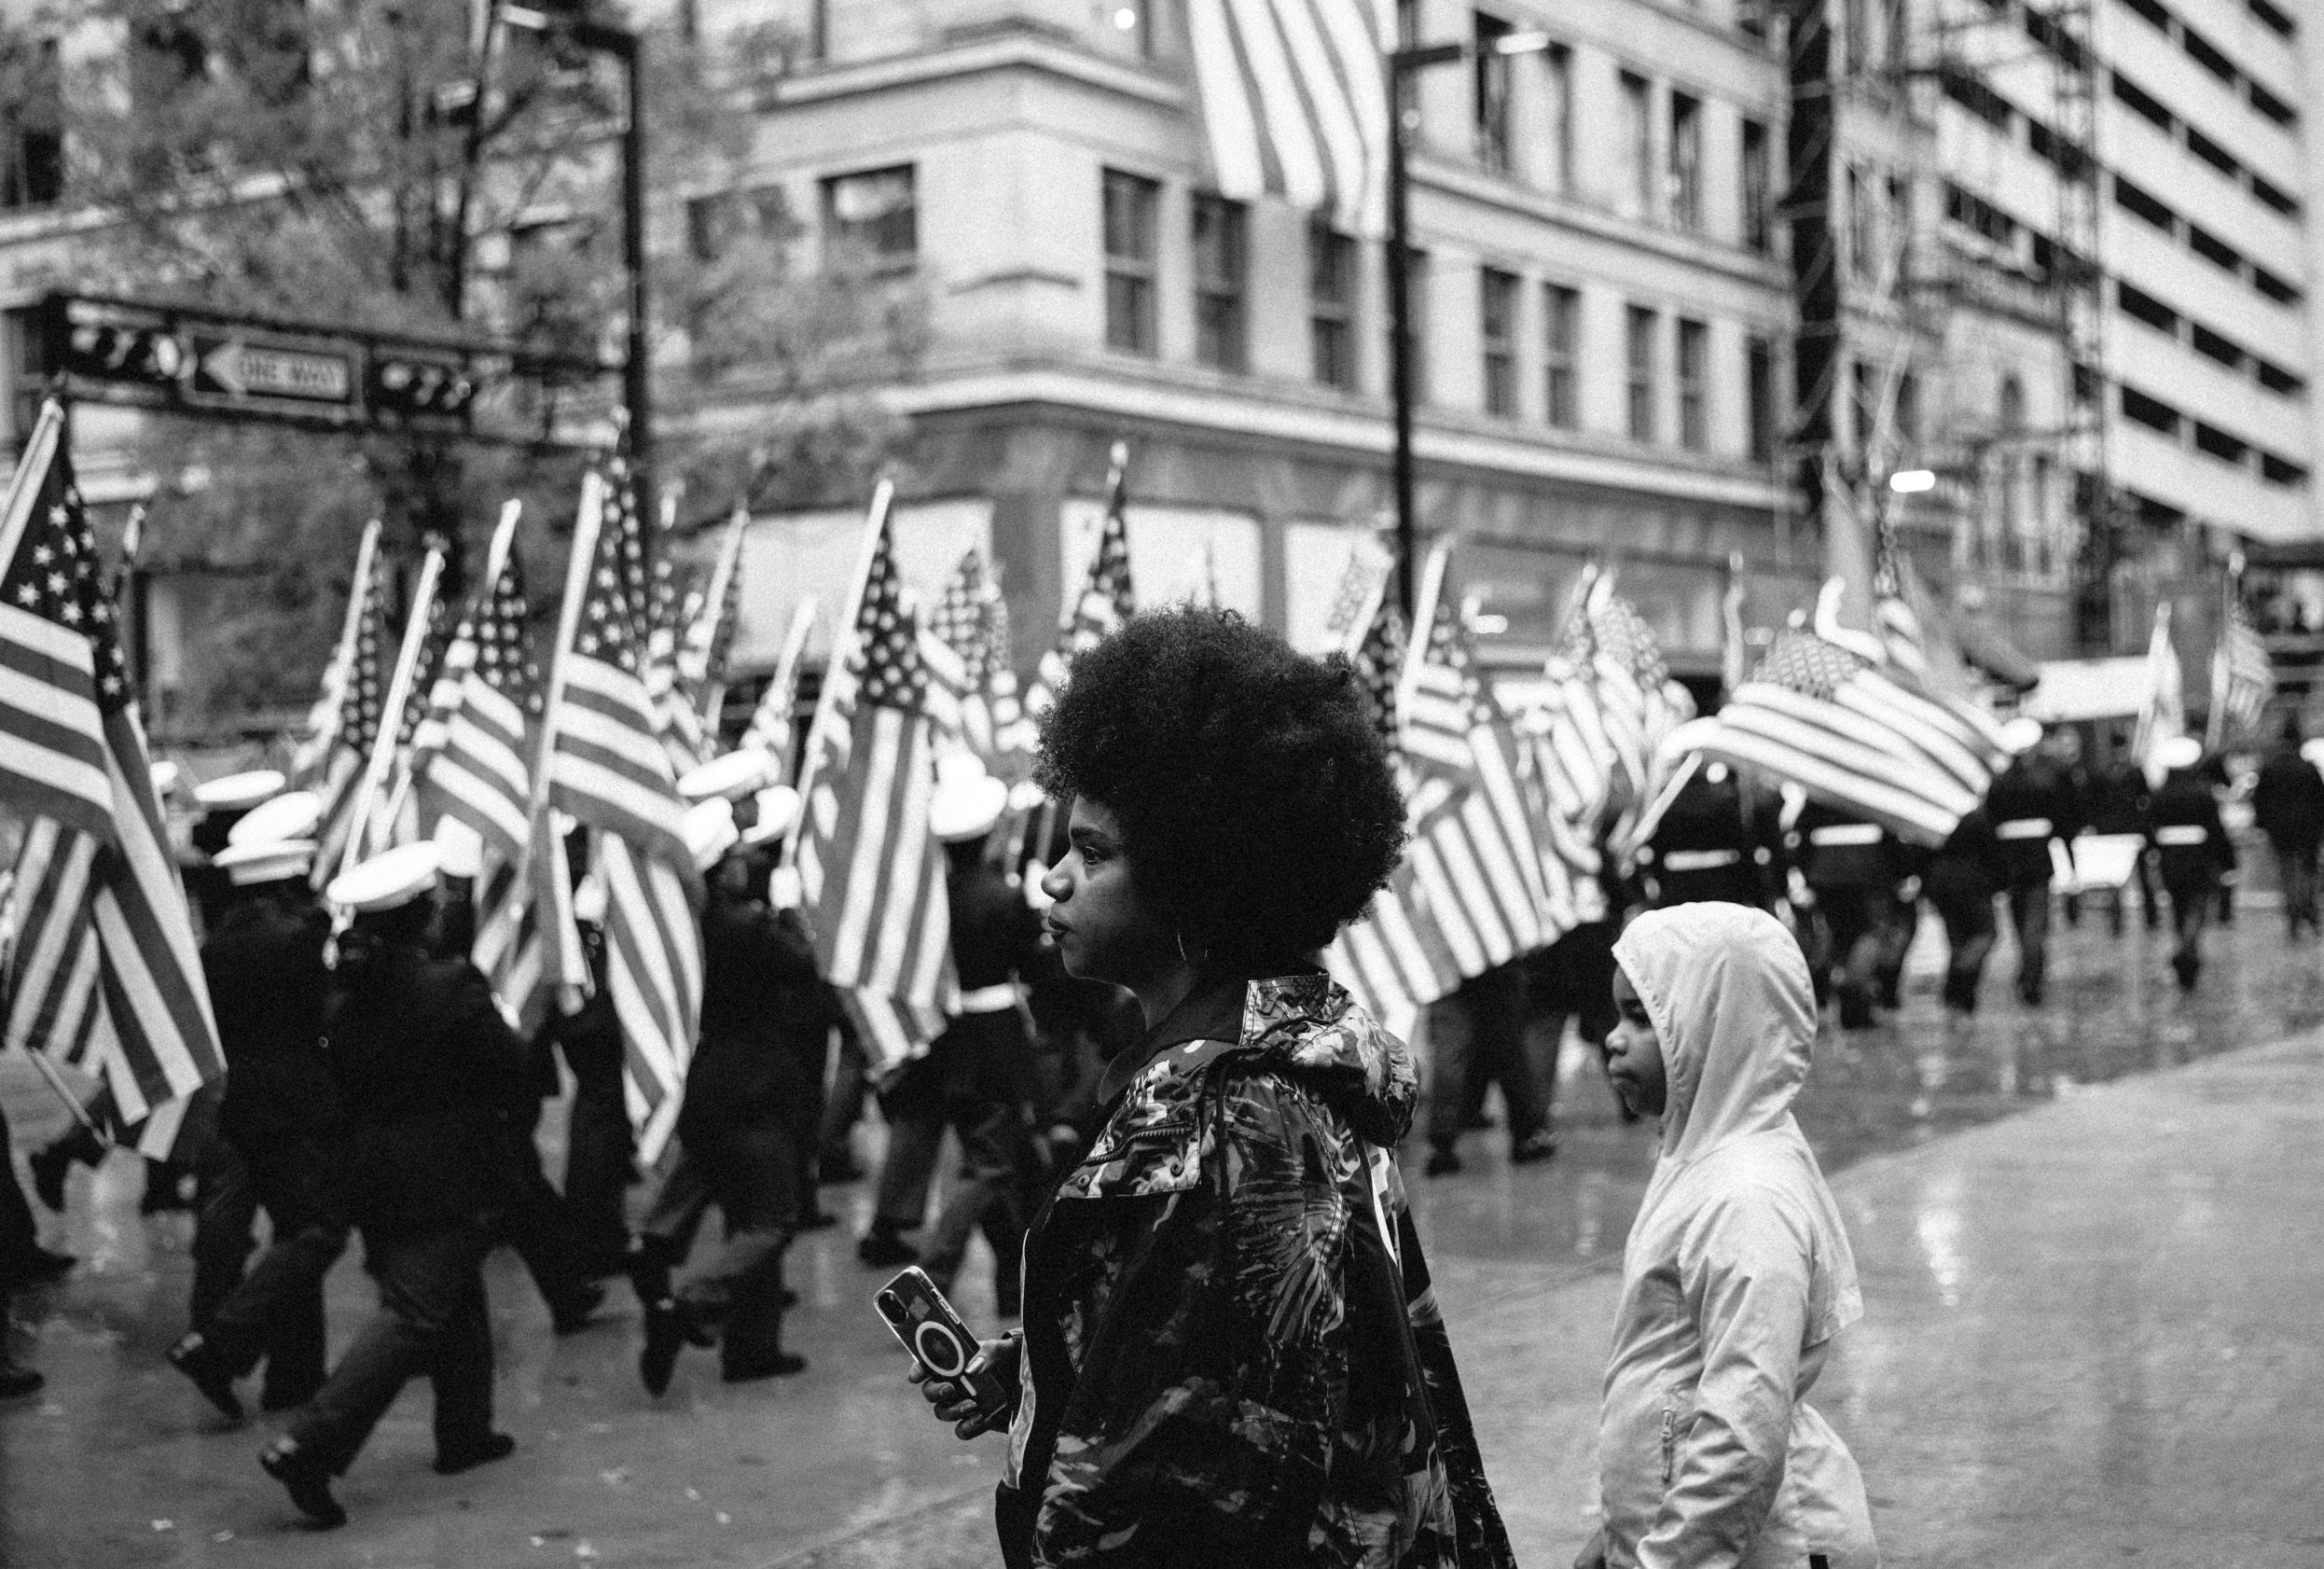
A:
{"points": [[1125, 18], [1912, 481]]}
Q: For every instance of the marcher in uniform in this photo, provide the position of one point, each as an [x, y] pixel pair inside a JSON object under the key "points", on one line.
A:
{"points": [[1716, 841], [1231, 1356], [2117, 805], [432, 1077], [1962, 879], [280, 1121], [1476, 1037], [1737, 1274], [2287, 806], [601, 1145], [2192, 848], [2032, 805], [1853, 868], [748, 1114], [984, 1058]]}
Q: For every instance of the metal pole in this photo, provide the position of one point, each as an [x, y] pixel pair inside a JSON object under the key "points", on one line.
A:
{"points": [[637, 376], [1400, 337]]}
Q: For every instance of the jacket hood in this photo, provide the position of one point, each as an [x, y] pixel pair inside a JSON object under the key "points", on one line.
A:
{"points": [[1311, 1024], [1728, 990]]}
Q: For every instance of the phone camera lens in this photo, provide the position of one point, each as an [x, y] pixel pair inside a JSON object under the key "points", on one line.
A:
{"points": [[890, 1304]]}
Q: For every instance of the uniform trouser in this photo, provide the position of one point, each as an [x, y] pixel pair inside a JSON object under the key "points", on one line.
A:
{"points": [[750, 1171], [1860, 919], [2030, 920], [537, 1227], [913, 1108], [600, 1160], [1969, 932], [1476, 1037], [2192, 902], [275, 1310], [1896, 941], [18, 1235], [432, 1319], [983, 1066], [2295, 866], [226, 1208], [843, 1103]]}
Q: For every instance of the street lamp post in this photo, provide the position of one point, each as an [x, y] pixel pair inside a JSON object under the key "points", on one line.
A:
{"points": [[1404, 121], [624, 47]]}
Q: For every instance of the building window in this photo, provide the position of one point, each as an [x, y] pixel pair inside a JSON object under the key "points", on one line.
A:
{"points": [[1497, 304], [1759, 184], [1637, 148], [1558, 82], [1130, 205], [1693, 378], [1758, 372], [872, 219], [1685, 177], [1561, 357], [1332, 307], [24, 350], [1221, 265], [1416, 312], [1861, 243], [1491, 86], [1639, 370], [716, 224], [33, 126]]}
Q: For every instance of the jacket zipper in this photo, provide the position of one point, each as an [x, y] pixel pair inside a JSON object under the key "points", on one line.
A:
{"points": [[1669, 1443]]}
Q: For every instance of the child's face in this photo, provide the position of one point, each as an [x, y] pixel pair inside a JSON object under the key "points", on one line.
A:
{"points": [[1634, 1063]]}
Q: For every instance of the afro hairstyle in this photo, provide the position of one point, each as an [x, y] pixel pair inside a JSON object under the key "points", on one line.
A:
{"points": [[1256, 802]]}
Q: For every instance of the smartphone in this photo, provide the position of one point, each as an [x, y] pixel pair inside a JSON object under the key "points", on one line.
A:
{"points": [[917, 1313]]}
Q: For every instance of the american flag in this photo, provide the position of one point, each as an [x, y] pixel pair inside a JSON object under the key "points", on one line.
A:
{"points": [[319, 734], [608, 767], [1854, 734], [676, 719], [486, 707], [872, 875], [2163, 711], [1107, 598], [704, 651], [1394, 958], [69, 720], [357, 677], [1476, 844], [972, 622], [1917, 648], [771, 728], [2242, 678]]}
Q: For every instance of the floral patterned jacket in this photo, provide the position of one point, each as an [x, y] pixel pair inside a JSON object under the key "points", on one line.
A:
{"points": [[1233, 1353]]}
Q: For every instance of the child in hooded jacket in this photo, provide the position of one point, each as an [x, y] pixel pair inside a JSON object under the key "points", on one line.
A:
{"points": [[1737, 1273]]}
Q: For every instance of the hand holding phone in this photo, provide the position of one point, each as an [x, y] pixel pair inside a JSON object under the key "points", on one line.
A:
{"points": [[926, 1326]]}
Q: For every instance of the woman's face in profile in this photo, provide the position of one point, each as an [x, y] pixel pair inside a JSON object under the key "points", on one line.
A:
{"points": [[1103, 926]]}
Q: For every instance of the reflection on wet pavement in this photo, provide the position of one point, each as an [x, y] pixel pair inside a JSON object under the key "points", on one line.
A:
{"points": [[119, 1463]]}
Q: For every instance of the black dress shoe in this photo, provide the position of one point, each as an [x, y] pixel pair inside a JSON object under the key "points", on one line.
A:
{"points": [[667, 1328], [16, 1380], [571, 1314], [886, 1250], [467, 1457], [193, 1357], [1536, 1145], [307, 1480], [780, 1366]]}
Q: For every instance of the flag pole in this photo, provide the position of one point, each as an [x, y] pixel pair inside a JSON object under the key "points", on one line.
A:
{"points": [[842, 650], [391, 716], [40, 450], [72, 1101], [495, 559], [714, 598]]}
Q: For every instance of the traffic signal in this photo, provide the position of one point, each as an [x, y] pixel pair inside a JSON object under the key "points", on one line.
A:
{"points": [[418, 388]]}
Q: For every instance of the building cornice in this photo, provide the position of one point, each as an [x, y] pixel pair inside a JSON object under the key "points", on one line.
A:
{"points": [[1012, 51]]}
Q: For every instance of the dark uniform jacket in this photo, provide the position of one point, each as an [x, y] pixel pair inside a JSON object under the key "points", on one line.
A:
{"points": [[2288, 802], [264, 968], [2118, 800], [1711, 844], [996, 939], [1836, 849], [1970, 865], [433, 1077], [2032, 802], [1233, 1353], [2191, 844], [767, 1018]]}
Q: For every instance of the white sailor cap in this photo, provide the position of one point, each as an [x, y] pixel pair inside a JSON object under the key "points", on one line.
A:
{"points": [[294, 815], [2180, 751], [742, 772], [460, 848], [968, 801], [710, 831], [240, 792], [588, 900], [166, 778], [268, 860], [776, 805], [2021, 735], [2313, 750], [387, 880], [1025, 795]]}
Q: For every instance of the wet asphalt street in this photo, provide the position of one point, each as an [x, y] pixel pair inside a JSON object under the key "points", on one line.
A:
{"points": [[119, 1463]]}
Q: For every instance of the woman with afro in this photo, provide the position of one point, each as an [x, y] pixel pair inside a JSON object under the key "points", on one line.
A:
{"points": [[1231, 1351]]}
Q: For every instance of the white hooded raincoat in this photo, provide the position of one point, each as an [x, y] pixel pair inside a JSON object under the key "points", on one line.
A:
{"points": [[1736, 1276]]}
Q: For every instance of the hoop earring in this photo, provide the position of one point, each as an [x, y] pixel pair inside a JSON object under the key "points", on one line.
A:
{"points": [[1181, 938]]}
